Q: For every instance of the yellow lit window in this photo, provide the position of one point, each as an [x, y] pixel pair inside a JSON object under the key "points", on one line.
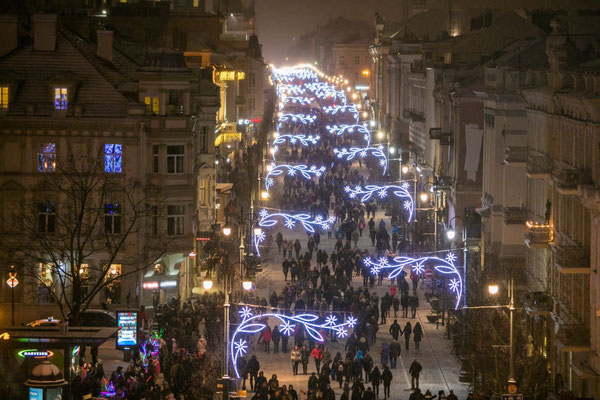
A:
{"points": [[241, 75], [447, 58], [196, 3], [152, 105], [3, 96], [61, 98]]}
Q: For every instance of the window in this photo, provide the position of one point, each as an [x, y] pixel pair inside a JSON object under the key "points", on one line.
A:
{"points": [[175, 218], [61, 98], [251, 103], [175, 159], [203, 192], [448, 58], [428, 55], [155, 159], [152, 105], [175, 105], [47, 157], [4, 97], [357, 60], [45, 282], [46, 217], [342, 62], [251, 79], [203, 139], [112, 290], [154, 220], [112, 218], [113, 155]]}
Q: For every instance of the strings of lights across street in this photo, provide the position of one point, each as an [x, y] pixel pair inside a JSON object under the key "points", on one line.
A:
{"points": [[292, 170], [382, 192]]}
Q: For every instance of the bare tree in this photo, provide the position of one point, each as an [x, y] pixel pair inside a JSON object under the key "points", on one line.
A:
{"points": [[85, 215]]}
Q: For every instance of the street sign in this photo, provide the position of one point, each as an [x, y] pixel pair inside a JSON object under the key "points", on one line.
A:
{"points": [[512, 396], [428, 273], [438, 283]]}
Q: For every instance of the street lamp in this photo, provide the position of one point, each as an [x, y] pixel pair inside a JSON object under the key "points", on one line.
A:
{"points": [[493, 289], [264, 195], [226, 230], [424, 197]]}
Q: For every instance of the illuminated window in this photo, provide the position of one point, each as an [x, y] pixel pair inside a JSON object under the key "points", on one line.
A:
{"points": [[175, 220], [113, 156], [112, 289], [84, 272], [175, 159], [61, 98], [152, 105], [47, 157], [45, 282], [155, 159], [4, 97], [112, 218], [448, 58], [46, 217], [241, 75]]}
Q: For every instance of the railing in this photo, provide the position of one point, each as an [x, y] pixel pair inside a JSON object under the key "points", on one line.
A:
{"points": [[567, 178], [515, 154], [577, 335], [537, 235], [572, 259], [538, 165], [514, 215], [444, 183]]}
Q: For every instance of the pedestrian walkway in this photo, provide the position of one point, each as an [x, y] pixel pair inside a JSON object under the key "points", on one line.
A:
{"points": [[440, 368]]}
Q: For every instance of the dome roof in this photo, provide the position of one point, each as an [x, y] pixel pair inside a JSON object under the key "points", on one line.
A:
{"points": [[45, 374]]}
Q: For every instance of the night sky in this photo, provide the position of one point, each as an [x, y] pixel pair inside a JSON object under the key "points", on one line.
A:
{"points": [[279, 21]]}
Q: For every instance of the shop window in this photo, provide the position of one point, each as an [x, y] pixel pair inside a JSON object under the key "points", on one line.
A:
{"points": [[175, 159], [3, 97], [112, 288], [45, 283], [61, 98], [113, 157], [47, 157], [46, 216], [112, 218], [175, 220]]}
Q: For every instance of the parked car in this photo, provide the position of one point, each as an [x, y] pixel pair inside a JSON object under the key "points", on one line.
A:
{"points": [[90, 317]]}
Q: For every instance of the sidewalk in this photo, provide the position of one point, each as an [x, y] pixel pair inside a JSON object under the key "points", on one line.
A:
{"points": [[440, 368]]}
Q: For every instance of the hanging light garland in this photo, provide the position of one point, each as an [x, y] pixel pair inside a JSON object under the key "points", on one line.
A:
{"points": [[382, 192], [289, 323], [444, 266], [292, 170], [362, 152], [304, 140], [302, 118], [290, 221]]}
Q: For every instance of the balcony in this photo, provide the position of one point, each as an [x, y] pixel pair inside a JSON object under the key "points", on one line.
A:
{"points": [[571, 259], [567, 178], [447, 139], [444, 183], [538, 166], [573, 337], [538, 303], [515, 155], [514, 215], [537, 236]]}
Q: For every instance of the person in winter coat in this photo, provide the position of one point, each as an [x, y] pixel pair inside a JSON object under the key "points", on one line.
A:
{"points": [[396, 305], [243, 369], [417, 335], [297, 247], [414, 371], [376, 380], [296, 357], [273, 385], [395, 329], [284, 247], [385, 354], [285, 267], [413, 301], [313, 382], [428, 395], [404, 304], [317, 354], [386, 377], [407, 331], [357, 369], [290, 248], [253, 368], [276, 337], [339, 373], [279, 241], [395, 350], [367, 366], [267, 335], [284, 343], [326, 357], [304, 356]]}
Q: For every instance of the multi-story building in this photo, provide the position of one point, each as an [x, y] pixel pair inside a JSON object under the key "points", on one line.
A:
{"points": [[350, 59], [151, 125]]}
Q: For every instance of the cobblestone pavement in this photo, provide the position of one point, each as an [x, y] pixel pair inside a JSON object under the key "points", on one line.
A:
{"points": [[440, 367]]}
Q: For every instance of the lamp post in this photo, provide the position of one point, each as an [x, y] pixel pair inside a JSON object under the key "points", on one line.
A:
{"points": [[12, 282], [451, 234], [424, 197]]}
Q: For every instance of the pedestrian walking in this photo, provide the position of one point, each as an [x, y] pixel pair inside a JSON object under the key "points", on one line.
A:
{"points": [[367, 366], [284, 247], [317, 354], [406, 332], [386, 377], [395, 351], [395, 329], [417, 335], [279, 241], [415, 370], [385, 354], [376, 380], [267, 335], [304, 356], [404, 303], [253, 368], [296, 358], [414, 304], [297, 247], [284, 343], [285, 267], [276, 337]]}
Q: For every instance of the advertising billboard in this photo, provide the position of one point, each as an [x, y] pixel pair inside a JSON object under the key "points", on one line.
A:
{"points": [[127, 324]]}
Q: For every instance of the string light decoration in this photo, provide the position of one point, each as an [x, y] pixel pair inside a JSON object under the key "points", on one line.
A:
{"points": [[333, 110], [251, 324], [345, 128], [292, 170], [304, 140], [290, 221], [257, 240], [302, 118], [298, 100], [382, 192], [362, 152], [444, 266]]}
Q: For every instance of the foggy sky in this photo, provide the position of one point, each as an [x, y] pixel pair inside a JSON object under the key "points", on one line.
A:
{"points": [[279, 21]]}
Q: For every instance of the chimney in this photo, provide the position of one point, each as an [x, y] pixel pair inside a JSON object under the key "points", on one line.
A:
{"points": [[104, 40], [8, 33], [44, 32]]}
